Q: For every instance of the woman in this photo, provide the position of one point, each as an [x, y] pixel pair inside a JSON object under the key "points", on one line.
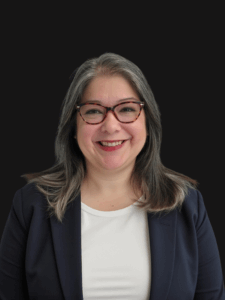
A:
{"points": [[108, 220]]}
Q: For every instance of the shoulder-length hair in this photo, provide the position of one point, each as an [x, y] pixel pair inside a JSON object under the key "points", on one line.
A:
{"points": [[163, 189]]}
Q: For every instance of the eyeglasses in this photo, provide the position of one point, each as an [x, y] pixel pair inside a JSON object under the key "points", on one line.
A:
{"points": [[125, 112]]}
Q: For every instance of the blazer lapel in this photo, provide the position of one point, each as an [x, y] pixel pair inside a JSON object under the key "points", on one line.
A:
{"points": [[162, 231], [67, 246]]}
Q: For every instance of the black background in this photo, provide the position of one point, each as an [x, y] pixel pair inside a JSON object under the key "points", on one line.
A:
{"points": [[180, 51]]}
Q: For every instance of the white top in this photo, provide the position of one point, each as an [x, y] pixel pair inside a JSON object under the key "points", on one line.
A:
{"points": [[116, 261]]}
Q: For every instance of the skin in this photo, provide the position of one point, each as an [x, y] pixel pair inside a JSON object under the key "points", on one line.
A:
{"points": [[108, 173]]}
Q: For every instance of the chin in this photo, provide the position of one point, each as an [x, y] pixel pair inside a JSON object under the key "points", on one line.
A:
{"points": [[114, 164]]}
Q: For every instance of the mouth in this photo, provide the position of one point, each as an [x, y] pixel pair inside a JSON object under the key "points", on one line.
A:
{"points": [[109, 147], [111, 143]]}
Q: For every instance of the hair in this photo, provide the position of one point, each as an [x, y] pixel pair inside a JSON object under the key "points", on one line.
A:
{"points": [[163, 189]]}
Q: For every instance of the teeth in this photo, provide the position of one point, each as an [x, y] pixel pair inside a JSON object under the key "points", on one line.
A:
{"points": [[111, 144]]}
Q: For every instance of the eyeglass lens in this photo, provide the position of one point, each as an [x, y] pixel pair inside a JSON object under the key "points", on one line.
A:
{"points": [[126, 112]]}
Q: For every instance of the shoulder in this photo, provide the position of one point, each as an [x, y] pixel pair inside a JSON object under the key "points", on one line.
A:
{"points": [[28, 201], [193, 208], [28, 195]]}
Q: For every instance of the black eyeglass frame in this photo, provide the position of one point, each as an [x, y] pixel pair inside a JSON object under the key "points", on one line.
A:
{"points": [[108, 109]]}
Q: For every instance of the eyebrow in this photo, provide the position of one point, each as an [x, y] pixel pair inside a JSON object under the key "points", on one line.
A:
{"points": [[100, 102]]}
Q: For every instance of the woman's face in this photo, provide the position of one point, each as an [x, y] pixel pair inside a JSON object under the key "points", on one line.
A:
{"points": [[108, 90]]}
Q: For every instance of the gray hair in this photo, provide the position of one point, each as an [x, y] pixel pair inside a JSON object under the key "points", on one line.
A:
{"points": [[163, 189]]}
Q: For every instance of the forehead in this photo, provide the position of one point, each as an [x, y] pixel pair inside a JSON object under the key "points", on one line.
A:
{"points": [[109, 88]]}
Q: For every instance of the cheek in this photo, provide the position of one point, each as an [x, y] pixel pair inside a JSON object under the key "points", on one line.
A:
{"points": [[139, 136], [139, 131], [85, 135]]}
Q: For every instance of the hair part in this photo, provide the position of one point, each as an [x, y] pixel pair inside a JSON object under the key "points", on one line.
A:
{"points": [[163, 189]]}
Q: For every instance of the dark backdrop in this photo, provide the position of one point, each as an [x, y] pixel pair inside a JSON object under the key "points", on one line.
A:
{"points": [[182, 59]]}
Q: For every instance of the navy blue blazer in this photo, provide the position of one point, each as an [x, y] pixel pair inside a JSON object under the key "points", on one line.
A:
{"points": [[41, 258]]}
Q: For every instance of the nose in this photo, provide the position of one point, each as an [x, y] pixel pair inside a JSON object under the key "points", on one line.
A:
{"points": [[110, 113], [111, 124]]}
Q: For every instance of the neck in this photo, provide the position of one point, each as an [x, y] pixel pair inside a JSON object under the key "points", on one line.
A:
{"points": [[108, 182]]}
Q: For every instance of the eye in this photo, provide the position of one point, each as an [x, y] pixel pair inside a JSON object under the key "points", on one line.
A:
{"points": [[127, 109], [93, 111]]}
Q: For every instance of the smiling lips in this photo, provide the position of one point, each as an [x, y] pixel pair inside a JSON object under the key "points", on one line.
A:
{"points": [[111, 143], [105, 146]]}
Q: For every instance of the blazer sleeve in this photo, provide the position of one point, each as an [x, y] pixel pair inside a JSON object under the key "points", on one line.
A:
{"points": [[12, 253], [210, 283]]}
